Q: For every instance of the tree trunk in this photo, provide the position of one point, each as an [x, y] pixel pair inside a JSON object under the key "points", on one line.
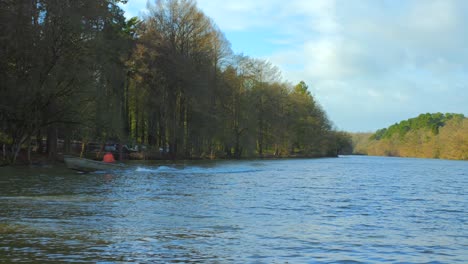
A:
{"points": [[126, 109], [29, 150], [237, 153], [67, 141], [152, 129], [137, 122], [83, 148], [16, 148], [52, 142], [120, 152], [162, 136], [39, 143], [142, 128]]}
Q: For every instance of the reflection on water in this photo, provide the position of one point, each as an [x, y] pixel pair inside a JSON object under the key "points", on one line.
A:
{"points": [[356, 209]]}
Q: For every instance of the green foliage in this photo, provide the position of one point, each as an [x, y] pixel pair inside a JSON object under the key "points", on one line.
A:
{"points": [[79, 70], [344, 143], [302, 88], [430, 122], [5, 139], [61, 69], [379, 134]]}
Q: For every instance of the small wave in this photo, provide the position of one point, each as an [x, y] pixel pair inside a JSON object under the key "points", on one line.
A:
{"points": [[52, 198], [196, 170], [160, 169], [200, 170]]}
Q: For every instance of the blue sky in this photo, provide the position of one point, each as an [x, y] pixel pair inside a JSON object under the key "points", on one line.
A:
{"points": [[370, 63]]}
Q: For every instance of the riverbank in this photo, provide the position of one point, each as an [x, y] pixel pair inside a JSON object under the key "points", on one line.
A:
{"points": [[39, 160]]}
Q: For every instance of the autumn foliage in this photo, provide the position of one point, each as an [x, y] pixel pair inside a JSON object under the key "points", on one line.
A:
{"points": [[443, 136]]}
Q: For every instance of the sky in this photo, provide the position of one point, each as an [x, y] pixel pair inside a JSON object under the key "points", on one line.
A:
{"points": [[369, 63]]}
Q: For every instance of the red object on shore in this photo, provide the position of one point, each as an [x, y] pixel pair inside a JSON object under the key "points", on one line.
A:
{"points": [[109, 158]]}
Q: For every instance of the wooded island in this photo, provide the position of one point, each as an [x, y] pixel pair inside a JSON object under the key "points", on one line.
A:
{"points": [[438, 135], [80, 71]]}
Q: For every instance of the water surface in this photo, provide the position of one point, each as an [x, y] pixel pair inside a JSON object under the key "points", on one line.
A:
{"points": [[350, 209]]}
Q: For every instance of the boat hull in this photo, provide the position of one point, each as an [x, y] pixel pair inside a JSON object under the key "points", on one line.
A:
{"points": [[87, 165]]}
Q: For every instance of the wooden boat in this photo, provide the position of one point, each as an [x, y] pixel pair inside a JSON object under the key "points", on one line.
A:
{"points": [[87, 165]]}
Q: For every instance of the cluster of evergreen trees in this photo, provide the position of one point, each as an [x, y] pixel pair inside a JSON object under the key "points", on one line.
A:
{"points": [[427, 136], [78, 70]]}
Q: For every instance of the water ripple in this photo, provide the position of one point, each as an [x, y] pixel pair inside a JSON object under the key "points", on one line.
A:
{"points": [[347, 210]]}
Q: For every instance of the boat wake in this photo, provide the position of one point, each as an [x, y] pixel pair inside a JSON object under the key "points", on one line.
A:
{"points": [[197, 170]]}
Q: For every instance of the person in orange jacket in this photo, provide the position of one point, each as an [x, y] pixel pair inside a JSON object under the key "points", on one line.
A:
{"points": [[109, 158]]}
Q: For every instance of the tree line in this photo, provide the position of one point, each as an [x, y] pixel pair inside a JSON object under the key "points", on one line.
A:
{"points": [[79, 70], [435, 135]]}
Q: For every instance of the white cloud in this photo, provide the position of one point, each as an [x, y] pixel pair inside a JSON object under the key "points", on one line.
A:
{"points": [[384, 66], [321, 14], [135, 8], [436, 16], [241, 14]]}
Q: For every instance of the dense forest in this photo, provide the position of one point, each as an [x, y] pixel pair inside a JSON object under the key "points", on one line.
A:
{"points": [[79, 71], [437, 135]]}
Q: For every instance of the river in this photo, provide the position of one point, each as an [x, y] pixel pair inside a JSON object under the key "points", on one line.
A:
{"points": [[352, 209]]}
